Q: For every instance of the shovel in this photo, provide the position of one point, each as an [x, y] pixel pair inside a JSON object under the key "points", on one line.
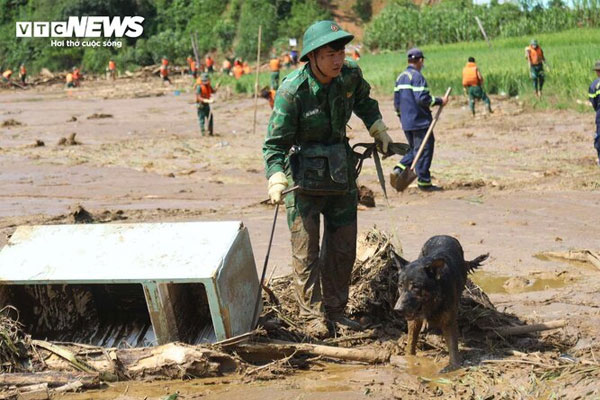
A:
{"points": [[401, 182]]}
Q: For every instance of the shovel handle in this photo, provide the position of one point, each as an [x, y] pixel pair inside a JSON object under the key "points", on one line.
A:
{"points": [[429, 132]]}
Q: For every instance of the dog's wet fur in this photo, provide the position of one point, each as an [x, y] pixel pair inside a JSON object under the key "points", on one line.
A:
{"points": [[430, 289]]}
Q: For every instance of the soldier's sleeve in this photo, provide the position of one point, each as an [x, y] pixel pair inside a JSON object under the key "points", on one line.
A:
{"points": [[594, 93], [281, 132], [365, 107]]}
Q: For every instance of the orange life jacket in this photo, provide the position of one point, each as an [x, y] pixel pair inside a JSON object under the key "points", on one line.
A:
{"points": [[165, 62], [23, 70], [206, 90], [287, 59], [164, 71], [226, 64], [69, 78], [238, 71], [272, 97], [7, 73], [355, 55], [246, 68], [209, 61], [193, 66], [469, 75], [111, 65], [76, 74], [189, 60], [274, 64], [536, 55]]}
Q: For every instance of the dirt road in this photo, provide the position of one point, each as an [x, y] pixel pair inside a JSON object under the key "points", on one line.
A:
{"points": [[517, 183]]}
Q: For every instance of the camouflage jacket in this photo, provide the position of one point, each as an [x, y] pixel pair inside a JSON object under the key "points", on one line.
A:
{"points": [[307, 111]]}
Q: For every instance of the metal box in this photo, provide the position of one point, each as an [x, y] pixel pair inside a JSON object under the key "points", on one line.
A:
{"points": [[136, 284]]}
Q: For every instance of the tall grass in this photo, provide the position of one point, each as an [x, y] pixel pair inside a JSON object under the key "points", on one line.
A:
{"points": [[571, 55]]}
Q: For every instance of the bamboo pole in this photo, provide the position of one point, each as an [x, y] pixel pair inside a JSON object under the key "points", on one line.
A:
{"points": [[483, 31], [256, 80]]}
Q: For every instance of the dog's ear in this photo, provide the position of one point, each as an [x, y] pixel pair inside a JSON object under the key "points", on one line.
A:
{"points": [[435, 267], [399, 261]]}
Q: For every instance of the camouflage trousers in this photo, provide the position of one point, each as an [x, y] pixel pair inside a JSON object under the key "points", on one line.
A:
{"points": [[322, 270], [537, 76]]}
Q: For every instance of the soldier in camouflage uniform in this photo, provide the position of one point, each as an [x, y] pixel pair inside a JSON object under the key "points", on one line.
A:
{"points": [[312, 106]]}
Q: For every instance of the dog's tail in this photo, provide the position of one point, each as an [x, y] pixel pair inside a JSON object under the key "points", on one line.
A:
{"points": [[475, 263]]}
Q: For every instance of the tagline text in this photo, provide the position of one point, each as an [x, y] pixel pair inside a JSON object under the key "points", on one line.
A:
{"points": [[86, 43]]}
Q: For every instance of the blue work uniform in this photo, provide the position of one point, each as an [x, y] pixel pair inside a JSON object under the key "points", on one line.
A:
{"points": [[594, 93], [412, 102]]}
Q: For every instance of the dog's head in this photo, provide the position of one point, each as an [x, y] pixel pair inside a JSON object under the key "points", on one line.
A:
{"points": [[419, 287]]}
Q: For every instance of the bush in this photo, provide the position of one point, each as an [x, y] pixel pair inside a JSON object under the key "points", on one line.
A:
{"points": [[363, 10]]}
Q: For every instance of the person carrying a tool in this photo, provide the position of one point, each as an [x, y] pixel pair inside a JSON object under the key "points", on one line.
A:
{"points": [[594, 94], [412, 102], [535, 58], [204, 92], [306, 146], [472, 83]]}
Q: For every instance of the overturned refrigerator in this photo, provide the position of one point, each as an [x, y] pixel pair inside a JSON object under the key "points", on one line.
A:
{"points": [[131, 284]]}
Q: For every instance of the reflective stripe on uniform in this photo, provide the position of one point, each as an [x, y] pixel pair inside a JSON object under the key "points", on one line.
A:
{"points": [[592, 95], [432, 101], [410, 87]]}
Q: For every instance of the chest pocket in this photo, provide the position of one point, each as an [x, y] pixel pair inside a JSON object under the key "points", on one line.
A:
{"points": [[320, 169]]}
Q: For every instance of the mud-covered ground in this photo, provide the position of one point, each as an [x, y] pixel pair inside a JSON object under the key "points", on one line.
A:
{"points": [[517, 183]]}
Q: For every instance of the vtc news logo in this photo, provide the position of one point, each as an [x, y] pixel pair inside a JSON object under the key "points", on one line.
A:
{"points": [[82, 27]]}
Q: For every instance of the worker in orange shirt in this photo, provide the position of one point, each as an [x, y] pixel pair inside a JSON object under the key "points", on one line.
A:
{"points": [[22, 73], [275, 66], [209, 64], [204, 92], [6, 76], [287, 60], [69, 80], [472, 84], [76, 76], [192, 67], [268, 94], [355, 55], [246, 67], [112, 69], [535, 58], [164, 70], [226, 66], [237, 70]]}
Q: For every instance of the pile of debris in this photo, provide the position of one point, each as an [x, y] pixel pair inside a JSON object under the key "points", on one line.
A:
{"points": [[280, 345]]}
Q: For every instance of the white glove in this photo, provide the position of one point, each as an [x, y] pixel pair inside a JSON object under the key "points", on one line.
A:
{"points": [[379, 131], [277, 184]]}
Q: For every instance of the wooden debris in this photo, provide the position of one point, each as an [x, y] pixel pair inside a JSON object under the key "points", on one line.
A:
{"points": [[278, 348], [590, 256], [64, 353], [524, 329], [51, 378]]}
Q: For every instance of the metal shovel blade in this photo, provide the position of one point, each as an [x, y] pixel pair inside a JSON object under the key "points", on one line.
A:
{"points": [[402, 180]]}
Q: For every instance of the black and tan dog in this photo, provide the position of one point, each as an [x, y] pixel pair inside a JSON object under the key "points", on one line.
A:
{"points": [[430, 289]]}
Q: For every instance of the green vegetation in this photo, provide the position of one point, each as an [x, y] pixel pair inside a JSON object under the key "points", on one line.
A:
{"points": [[229, 26], [402, 24], [570, 54]]}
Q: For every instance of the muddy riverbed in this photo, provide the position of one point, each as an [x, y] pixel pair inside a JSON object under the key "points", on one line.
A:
{"points": [[518, 182]]}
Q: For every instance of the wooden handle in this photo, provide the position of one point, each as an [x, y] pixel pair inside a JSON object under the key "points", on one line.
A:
{"points": [[429, 131]]}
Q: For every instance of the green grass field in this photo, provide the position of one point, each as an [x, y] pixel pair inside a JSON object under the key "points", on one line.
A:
{"points": [[570, 55]]}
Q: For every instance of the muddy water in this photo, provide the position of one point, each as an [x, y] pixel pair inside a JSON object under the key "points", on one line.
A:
{"points": [[325, 381], [491, 283]]}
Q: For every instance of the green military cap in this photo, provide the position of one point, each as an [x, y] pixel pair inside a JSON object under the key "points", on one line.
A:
{"points": [[321, 33], [204, 77], [533, 42], [596, 66]]}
